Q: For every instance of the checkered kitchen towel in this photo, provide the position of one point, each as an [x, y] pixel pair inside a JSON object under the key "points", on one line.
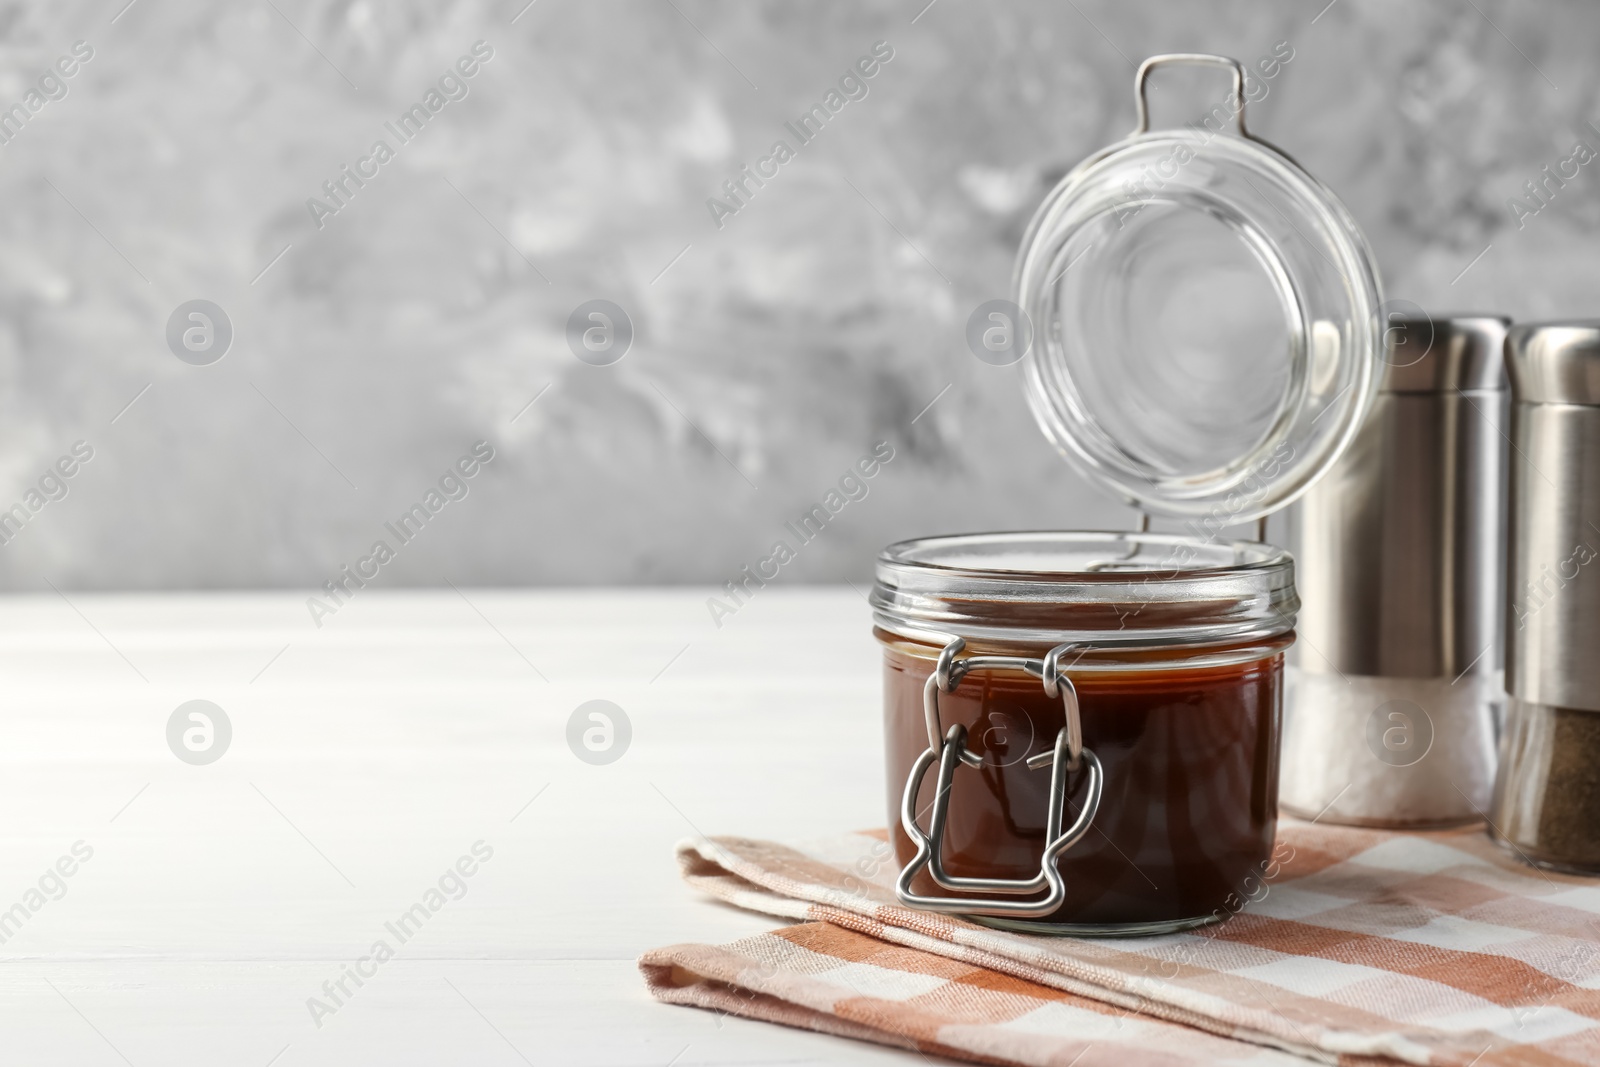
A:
{"points": [[1363, 947]]}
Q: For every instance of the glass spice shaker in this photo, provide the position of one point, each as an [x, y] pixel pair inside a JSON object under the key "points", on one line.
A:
{"points": [[1547, 796], [1391, 717]]}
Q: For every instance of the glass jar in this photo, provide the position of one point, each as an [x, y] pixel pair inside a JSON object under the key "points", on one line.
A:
{"points": [[1082, 728], [1102, 711]]}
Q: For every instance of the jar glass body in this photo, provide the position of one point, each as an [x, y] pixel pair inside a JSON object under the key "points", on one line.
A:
{"points": [[1185, 829], [1178, 685]]}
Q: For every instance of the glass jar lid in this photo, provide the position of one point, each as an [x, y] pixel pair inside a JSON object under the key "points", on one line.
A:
{"points": [[1206, 318], [1089, 588]]}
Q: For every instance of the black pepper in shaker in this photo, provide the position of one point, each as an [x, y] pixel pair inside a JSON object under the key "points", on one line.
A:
{"points": [[1547, 796]]}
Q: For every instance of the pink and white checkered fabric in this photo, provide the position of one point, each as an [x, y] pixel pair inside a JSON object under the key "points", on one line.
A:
{"points": [[1365, 947]]}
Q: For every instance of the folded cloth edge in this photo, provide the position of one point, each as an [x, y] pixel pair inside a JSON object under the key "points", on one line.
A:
{"points": [[713, 978], [709, 865]]}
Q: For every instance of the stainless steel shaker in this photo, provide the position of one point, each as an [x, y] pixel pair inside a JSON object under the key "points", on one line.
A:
{"points": [[1391, 715], [1547, 800]]}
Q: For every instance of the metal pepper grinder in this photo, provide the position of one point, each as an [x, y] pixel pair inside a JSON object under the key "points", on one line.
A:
{"points": [[1391, 717], [1547, 801]]}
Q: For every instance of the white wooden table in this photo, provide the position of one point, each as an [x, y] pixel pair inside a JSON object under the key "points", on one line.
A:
{"points": [[367, 757]]}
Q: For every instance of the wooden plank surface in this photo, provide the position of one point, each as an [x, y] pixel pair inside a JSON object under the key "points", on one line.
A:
{"points": [[368, 756]]}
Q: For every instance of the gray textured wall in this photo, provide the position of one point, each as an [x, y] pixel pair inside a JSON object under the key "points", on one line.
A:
{"points": [[819, 319]]}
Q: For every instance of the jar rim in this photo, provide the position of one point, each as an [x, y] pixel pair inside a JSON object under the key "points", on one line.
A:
{"points": [[1091, 588]]}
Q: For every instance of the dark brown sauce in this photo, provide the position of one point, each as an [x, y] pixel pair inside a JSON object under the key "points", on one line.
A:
{"points": [[1189, 808]]}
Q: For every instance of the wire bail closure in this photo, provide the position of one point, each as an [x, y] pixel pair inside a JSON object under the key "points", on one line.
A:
{"points": [[948, 748]]}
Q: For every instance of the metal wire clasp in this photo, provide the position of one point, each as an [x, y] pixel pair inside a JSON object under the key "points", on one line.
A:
{"points": [[950, 748]]}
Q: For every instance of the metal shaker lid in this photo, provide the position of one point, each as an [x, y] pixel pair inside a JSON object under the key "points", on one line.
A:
{"points": [[1445, 353], [1555, 362], [1206, 317]]}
